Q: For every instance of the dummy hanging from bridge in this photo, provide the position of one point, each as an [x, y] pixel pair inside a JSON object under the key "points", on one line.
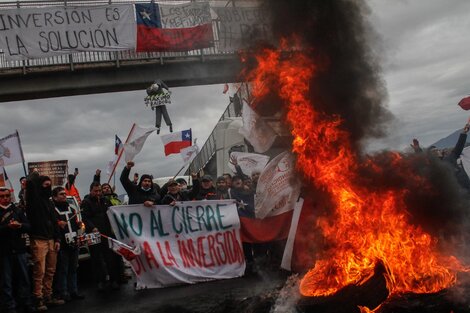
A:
{"points": [[158, 96]]}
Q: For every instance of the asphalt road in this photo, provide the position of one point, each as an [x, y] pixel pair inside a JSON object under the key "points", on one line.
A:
{"points": [[202, 297]]}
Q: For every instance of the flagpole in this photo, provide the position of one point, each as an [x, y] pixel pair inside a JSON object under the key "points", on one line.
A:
{"points": [[179, 171], [21, 150], [120, 154]]}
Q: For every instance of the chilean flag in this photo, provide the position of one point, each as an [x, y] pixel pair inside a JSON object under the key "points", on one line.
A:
{"points": [[117, 145], [174, 142], [182, 27]]}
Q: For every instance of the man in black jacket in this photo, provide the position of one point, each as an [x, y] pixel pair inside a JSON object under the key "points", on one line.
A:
{"points": [[207, 190], [13, 259], [67, 261], [175, 194], [105, 261], [145, 192], [45, 238]]}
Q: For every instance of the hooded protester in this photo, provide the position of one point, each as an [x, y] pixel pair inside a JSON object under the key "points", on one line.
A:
{"points": [[45, 238], [144, 193], [70, 188]]}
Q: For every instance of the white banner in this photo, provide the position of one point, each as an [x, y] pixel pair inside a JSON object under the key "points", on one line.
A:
{"points": [[10, 150], [249, 162], [193, 241], [260, 135], [239, 27], [278, 187], [48, 31], [184, 15]]}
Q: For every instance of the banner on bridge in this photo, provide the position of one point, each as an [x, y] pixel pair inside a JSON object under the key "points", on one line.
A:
{"points": [[191, 242], [240, 27], [48, 31]]}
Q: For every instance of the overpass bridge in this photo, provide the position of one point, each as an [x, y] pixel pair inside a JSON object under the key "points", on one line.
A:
{"points": [[101, 72]]}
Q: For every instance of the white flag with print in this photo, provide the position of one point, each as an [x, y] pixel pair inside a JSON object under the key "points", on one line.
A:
{"points": [[260, 135], [278, 187], [136, 141], [249, 162], [10, 150]]}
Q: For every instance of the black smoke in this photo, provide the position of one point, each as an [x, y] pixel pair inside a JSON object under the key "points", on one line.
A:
{"points": [[338, 38]]}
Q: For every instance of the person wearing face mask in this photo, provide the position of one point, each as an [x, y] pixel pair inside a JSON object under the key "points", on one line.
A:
{"points": [[45, 238], [145, 192]]}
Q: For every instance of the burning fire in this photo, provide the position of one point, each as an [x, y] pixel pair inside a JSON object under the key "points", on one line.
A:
{"points": [[367, 226]]}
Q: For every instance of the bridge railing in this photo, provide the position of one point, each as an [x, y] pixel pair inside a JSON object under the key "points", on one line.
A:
{"points": [[96, 58]]}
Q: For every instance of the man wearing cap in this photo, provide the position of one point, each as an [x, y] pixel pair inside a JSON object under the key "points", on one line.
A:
{"points": [[222, 189], [175, 194], [145, 192], [207, 190]]}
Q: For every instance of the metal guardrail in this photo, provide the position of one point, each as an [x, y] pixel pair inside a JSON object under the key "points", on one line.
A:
{"points": [[98, 58]]}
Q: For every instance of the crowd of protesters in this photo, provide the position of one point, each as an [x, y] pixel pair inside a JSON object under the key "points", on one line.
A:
{"points": [[39, 254]]}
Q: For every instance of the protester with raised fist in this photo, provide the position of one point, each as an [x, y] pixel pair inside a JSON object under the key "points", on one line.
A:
{"points": [[145, 192]]}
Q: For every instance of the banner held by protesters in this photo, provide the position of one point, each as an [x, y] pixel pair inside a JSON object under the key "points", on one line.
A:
{"points": [[190, 242]]}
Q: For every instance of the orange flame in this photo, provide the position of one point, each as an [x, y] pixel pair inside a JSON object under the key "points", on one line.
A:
{"points": [[367, 226]]}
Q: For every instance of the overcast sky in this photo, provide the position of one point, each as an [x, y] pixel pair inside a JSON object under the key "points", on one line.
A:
{"points": [[424, 46]]}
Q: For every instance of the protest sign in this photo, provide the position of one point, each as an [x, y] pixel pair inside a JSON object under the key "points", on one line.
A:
{"points": [[278, 187], [193, 241], [56, 170], [48, 31], [239, 27]]}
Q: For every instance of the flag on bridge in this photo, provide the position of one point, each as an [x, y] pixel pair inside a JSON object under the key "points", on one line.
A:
{"points": [[164, 27], [174, 142], [10, 150]]}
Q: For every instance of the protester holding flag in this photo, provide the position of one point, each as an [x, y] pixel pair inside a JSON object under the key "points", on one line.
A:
{"points": [[67, 261], [107, 190], [45, 238], [13, 265], [145, 192], [104, 261]]}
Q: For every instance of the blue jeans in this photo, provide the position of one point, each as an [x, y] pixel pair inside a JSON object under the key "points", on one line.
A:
{"points": [[67, 264], [15, 268]]}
